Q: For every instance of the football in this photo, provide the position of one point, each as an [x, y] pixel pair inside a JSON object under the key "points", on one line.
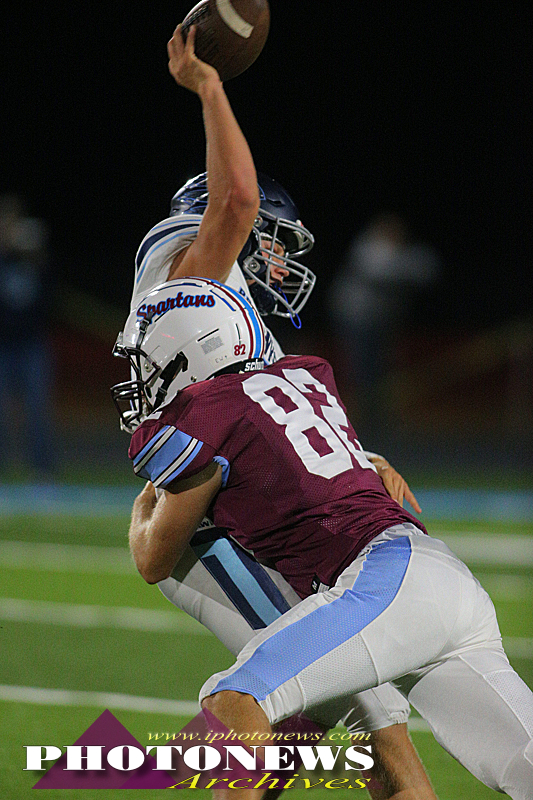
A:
{"points": [[230, 34]]}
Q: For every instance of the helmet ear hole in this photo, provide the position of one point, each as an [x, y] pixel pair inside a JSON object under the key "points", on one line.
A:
{"points": [[254, 266]]}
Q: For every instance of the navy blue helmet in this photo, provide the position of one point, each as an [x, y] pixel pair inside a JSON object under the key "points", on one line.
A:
{"points": [[278, 222]]}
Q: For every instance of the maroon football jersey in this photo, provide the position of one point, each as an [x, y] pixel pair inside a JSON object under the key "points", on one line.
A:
{"points": [[297, 489]]}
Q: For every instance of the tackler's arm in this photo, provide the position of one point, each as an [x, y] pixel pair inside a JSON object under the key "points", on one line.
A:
{"points": [[161, 529], [396, 486]]}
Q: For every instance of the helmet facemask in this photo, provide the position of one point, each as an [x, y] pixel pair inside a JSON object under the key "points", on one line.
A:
{"points": [[278, 222], [134, 399], [259, 257]]}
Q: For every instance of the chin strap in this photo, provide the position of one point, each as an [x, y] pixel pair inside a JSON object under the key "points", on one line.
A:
{"points": [[295, 318], [178, 364]]}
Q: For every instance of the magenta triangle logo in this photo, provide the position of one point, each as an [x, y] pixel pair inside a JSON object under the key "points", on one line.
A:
{"points": [[197, 731], [107, 756], [106, 732]]}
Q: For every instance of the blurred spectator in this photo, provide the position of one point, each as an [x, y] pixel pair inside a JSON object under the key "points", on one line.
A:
{"points": [[370, 300], [25, 357]]}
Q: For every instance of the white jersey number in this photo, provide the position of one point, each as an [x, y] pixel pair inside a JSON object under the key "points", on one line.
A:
{"points": [[303, 419]]}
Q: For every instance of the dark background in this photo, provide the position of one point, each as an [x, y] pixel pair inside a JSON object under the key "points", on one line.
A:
{"points": [[354, 109]]}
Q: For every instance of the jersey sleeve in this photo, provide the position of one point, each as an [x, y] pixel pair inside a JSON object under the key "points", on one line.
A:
{"points": [[158, 249], [166, 455]]}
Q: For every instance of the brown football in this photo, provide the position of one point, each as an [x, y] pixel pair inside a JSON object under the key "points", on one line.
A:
{"points": [[230, 34]]}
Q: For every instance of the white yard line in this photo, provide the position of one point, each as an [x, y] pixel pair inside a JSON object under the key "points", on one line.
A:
{"points": [[147, 620], [86, 616], [518, 646], [482, 548], [66, 557], [473, 548], [506, 587], [125, 702]]}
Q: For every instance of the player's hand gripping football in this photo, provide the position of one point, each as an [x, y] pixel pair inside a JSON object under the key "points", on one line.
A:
{"points": [[393, 482], [184, 66]]}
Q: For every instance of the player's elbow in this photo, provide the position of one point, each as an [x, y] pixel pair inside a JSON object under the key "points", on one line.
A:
{"points": [[152, 576], [243, 200], [152, 573]]}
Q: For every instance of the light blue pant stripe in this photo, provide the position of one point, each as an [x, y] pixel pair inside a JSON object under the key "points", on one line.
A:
{"points": [[292, 649], [243, 580]]}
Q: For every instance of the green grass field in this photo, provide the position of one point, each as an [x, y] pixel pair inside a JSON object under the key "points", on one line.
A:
{"points": [[63, 579]]}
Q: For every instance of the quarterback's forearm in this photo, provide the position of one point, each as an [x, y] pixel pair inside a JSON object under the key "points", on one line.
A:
{"points": [[233, 199], [233, 194], [230, 167], [231, 175]]}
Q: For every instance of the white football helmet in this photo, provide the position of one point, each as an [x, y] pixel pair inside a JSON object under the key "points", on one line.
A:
{"points": [[184, 331]]}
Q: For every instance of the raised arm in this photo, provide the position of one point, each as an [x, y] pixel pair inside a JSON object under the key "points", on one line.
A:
{"points": [[231, 177]]}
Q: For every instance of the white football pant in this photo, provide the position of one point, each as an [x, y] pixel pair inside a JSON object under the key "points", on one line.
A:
{"points": [[407, 610]]}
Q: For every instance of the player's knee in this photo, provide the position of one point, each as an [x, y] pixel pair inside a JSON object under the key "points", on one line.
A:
{"points": [[518, 777], [391, 736], [391, 745], [222, 702]]}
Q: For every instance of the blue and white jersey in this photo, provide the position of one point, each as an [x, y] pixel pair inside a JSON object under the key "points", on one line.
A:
{"points": [[156, 253], [158, 249]]}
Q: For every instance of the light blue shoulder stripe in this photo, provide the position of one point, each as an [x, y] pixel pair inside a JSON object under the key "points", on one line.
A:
{"points": [[170, 452], [168, 476], [140, 455]]}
